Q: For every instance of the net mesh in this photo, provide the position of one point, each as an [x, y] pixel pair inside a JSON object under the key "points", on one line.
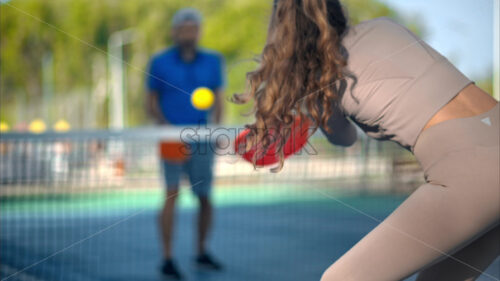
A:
{"points": [[84, 206]]}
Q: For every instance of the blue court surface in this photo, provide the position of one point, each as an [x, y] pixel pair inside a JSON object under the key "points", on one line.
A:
{"points": [[257, 235]]}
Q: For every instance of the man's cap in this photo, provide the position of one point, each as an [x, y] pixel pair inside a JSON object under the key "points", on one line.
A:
{"points": [[186, 14]]}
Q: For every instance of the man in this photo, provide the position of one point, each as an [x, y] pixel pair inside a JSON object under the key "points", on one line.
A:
{"points": [[173, 75]]}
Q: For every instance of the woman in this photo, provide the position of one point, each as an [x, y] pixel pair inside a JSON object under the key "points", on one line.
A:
{"points": [[395, 87]]}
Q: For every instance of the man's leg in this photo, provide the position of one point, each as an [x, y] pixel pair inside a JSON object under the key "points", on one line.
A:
{"points": [[200, 171], [166, 220], [204, 222]]}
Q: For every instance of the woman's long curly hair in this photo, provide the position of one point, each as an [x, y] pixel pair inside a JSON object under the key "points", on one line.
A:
{"points": [[301, 63]]}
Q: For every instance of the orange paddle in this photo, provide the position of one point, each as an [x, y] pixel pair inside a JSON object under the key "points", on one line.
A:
{"points": [[173, 151]]}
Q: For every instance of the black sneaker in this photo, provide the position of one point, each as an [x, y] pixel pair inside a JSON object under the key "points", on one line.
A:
{"points": [[169, 270], [207, 261]]}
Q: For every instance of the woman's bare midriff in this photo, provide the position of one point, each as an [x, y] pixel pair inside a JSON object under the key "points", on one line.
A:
{"points": [[471, 101]]}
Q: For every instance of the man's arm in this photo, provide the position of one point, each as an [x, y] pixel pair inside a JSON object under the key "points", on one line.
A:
{"points": [[153, 109], [220, 85], [153, 84], [218, 106]]}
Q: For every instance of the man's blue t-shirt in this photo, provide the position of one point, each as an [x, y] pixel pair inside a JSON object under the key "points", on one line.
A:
{"points": [[175, 80]]}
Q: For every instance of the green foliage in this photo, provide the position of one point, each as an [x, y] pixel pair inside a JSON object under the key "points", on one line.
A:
{"points": [[360, 10], [76, 33], [486, 84]]}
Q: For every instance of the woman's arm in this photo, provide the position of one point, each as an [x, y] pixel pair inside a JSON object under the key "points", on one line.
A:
{"points": [[344, 133], [153, 109]]}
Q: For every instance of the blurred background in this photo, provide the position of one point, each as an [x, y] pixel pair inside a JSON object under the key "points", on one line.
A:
{"points": [[57, 55], [79, 183]]}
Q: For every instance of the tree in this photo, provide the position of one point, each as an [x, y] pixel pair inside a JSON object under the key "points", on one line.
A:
{"points": [[75, 34]]}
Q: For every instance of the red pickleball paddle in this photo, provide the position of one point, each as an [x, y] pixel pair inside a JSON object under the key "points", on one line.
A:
{"points": [[297, 139]]}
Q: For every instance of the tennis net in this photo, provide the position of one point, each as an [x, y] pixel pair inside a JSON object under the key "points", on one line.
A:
{"points": [[83, 205]]}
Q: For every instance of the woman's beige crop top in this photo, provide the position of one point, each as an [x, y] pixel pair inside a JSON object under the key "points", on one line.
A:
{"points": [[401, 81]]}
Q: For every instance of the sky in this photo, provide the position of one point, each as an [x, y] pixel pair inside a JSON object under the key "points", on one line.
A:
{"points": [[461, 30]]}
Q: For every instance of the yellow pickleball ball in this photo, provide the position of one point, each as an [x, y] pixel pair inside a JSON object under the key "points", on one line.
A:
{"points": [[37, 126], [62, 126], [4, 127], [202, 98]]}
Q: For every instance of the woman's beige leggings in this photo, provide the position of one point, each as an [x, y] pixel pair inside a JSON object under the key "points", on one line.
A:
{"points": [[448, 229]]}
